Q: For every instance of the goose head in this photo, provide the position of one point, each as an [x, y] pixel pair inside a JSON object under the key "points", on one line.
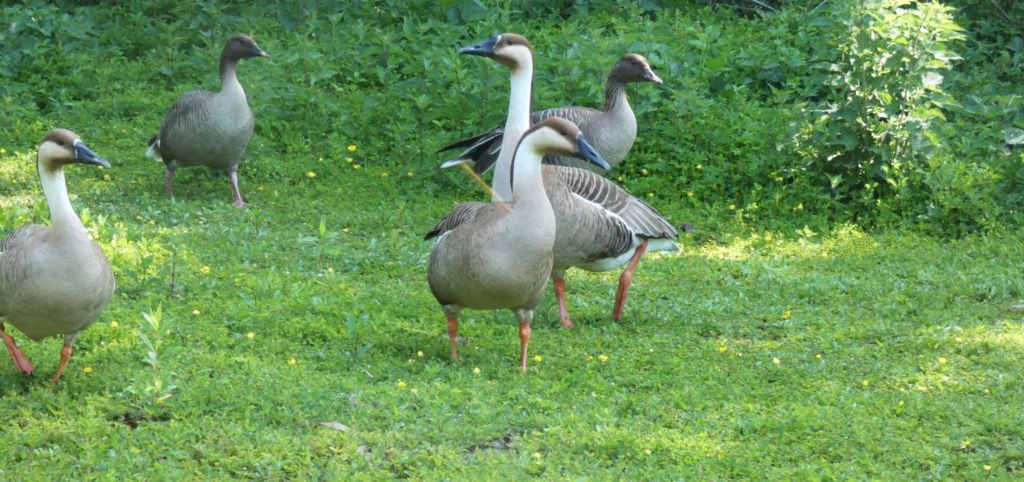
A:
{"points": [[634, 68], [556, 135], [242, 47], [511, 50], [61, 147]]}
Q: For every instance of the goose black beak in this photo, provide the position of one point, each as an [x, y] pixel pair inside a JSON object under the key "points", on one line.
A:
{"points": [[483, 49], [258, 52], [586, 151], [85, 155], [650, 76]]}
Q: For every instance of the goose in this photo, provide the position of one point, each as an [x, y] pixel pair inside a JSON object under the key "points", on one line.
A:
{"points": [[612, 130], [210, 128], [600, 226], [498, 255], [53, 280]]}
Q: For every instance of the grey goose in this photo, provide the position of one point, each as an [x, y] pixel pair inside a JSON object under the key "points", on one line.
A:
{"points": [[53, 280], [210, 128], [600, 226], [612, 130], [498, 255]]}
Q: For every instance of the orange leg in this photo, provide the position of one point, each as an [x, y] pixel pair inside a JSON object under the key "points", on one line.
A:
{"points": [[453, 331], [625, 280], [563, 312], [20, 362], [524, 338], [65, 355]]}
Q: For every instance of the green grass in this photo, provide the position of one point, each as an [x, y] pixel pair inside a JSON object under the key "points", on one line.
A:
{"points": [[898, 354], [766, 350]]}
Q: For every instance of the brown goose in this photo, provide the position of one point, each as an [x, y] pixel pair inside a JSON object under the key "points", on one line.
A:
{"points": [[53, 280], [210, 128], [498, 255], [600, 226], [612, 130]]}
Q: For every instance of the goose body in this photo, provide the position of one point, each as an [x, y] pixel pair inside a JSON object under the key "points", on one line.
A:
{"points": [[210, 128], [612, 130], [600, 226], [53, 280], [498, 255]]}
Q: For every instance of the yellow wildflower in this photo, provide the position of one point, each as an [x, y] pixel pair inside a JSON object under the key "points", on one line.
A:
{"points": [[250, 335], [87, 369], [400, 383], [723, 349], [537, 358], [865, 383], [986, 467], [195, 312], [787, 314], [776, 361], [414, 390], [419, 353], [106, 177], [205, 269], [311, 174], [292, 362], [352, 148], [113, 324], [602, 357], [476, 370], [942, 360]]}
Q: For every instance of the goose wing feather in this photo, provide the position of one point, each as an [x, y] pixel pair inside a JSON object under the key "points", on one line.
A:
{"points": [[483, 148], [462, 213], [640, 217]]}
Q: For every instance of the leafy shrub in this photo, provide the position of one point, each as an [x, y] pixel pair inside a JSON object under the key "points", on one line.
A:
{"points": [[874, 128]]}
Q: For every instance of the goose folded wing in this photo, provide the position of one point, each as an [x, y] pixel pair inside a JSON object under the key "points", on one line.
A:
{"points": [[641, 218], [461, 213]]}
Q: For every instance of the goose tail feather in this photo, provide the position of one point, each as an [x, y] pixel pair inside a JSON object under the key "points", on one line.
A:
{"points": [[154, 148]]}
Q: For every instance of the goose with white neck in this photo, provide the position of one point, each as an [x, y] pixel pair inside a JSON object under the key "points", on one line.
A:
{"points": [[498, 255], [53, 280], [210, 128], [600, 226], [611, 129]]}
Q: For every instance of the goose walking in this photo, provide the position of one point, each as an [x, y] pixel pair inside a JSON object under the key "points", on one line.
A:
{"points": [[210, 128], [53, 280], [612, 130], [600, 226], [498, 255]]}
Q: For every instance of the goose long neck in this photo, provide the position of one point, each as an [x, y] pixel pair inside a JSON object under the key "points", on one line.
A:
{"points": [[62, 215], [527, 180], [518, 121], [615, 95], [228, 73]]}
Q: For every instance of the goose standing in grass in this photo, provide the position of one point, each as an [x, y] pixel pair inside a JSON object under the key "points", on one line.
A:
{"points": [[612, 130], [600, 226], [498, 255], [53, 280], [210, 128]]}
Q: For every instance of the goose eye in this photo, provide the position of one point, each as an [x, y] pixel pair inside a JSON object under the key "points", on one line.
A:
{"points": [[60, 143]]}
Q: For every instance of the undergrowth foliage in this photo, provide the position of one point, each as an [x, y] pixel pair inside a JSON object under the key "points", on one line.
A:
{"points": [[790, 112]]}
